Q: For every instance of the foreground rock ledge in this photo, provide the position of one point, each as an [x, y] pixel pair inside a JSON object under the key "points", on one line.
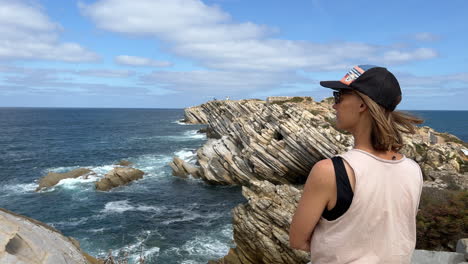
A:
{"points": [[118, 177], [27, 241]]}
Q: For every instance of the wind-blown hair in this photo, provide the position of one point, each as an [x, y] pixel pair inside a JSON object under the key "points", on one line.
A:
{"points": [[387, 126]]}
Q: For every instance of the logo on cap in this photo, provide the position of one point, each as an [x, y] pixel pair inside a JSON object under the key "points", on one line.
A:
{"points": [[354, 73]]}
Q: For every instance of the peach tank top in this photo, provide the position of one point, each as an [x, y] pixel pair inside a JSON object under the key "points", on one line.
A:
{"points": [[380, 224]]}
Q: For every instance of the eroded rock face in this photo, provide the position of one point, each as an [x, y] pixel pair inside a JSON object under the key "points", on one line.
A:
{"points": [[118, 177], [27, 241], [194, 115], [183, 169], [278, 142], [281, 141], [271, 148], [261, 227], [52, 178]]}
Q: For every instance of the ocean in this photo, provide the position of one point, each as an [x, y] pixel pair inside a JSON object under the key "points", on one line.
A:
{"points": [[164, 218]]}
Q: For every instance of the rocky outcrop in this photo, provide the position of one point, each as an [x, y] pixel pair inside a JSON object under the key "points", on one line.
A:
{"points": [[118, 177], [195, 115], [52, 178], [261, 226], [269, 148], [281, 141], [25, 240], [183, 169], [278, 143]]}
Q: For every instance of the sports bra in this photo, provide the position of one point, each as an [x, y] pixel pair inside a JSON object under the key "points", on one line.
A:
{"points": [[344, 191]]}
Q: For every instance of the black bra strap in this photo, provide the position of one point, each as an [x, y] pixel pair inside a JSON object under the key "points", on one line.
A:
{"points": [[341, 174], [343, 189]]}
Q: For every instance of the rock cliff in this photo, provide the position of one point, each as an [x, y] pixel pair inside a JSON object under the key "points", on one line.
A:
{"points": [[269, 149], [281, 141]]}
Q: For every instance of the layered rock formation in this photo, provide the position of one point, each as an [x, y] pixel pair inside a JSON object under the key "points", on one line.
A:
{"points": [[117, 177], [281, 141], [52, 178], [27, 241], [270, 147]]}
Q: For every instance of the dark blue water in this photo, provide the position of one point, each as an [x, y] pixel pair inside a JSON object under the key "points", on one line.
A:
{"points": [[171, 220], [453, 122]]}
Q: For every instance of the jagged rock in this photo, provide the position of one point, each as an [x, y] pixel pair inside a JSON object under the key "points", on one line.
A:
{"points": [[118, 177], [281, 141], [27, 241], [52, 178], [271, 148], [183, 169], [125, 163], [194, 115], [261, 226]]}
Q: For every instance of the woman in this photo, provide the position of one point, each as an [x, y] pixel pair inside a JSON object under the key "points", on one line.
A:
{"points": [[361, 206]]}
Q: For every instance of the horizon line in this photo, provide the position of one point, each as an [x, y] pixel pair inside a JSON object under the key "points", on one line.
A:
{"points": [[84, 107]]}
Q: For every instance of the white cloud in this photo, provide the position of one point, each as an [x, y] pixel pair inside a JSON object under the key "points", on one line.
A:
{"points": [[27, 33], [433, 81], [16, 80], [140, 61], [106, 73], [426, 36], [396, 56], [209, 35], [222, 82]]}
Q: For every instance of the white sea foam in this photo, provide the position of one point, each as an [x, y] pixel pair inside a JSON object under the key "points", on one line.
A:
{"points": [[137, 249], [186, 155], [185, 215], [18, 188], [210, 245], [117, 207], [77, 183], [124, 205], [194, 134], [180, 122]]}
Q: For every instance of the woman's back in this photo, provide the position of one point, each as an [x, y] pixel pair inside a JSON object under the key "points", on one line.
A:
{"points": [[380, 224]]}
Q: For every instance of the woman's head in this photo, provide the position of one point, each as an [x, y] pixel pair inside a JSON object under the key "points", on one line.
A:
{"points": [[355, 109], [367, 99]]}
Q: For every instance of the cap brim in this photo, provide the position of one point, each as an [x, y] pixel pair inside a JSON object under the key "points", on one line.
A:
{"points": [[335, 85]]}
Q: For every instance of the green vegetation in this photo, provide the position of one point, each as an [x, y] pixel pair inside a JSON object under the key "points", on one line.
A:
{"points": [[314, 111], [463, 165], [420, 149], [451, 138], [442, 219], [295, 99]]}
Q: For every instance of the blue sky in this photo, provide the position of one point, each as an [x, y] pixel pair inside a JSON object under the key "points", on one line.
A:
{"points": [[180, 53]]}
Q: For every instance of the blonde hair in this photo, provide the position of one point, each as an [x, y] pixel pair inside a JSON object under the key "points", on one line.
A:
{"points": [[387, 126]]}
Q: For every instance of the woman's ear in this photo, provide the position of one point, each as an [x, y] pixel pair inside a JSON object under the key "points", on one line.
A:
{"points": [[362, 107]]}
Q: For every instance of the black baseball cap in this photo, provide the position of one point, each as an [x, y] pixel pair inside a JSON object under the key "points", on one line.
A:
{"points": [[374, 81]]}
